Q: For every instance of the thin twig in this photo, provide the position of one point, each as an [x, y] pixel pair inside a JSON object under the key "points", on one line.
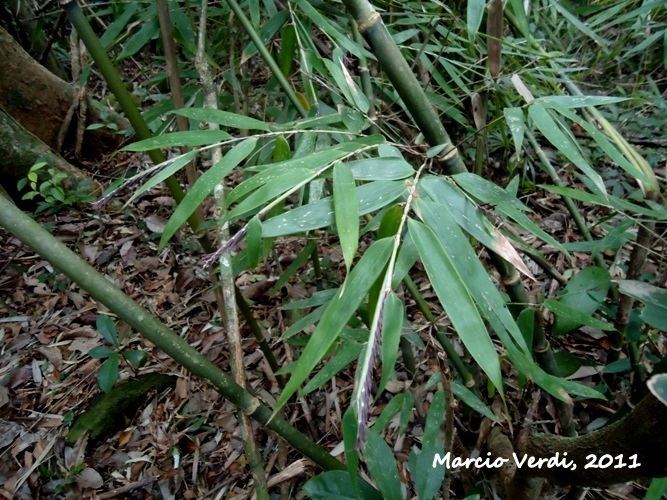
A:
{"points": [[226, 273]]}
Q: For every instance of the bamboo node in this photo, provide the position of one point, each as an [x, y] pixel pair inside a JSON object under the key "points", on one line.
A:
{"points": [[373, 18], [451, 153], [252, 407]]}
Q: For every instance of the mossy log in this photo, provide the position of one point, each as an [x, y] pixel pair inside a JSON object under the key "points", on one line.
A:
{"points": [[635, 442], [20, 150], [108, 412], [39, 100]]}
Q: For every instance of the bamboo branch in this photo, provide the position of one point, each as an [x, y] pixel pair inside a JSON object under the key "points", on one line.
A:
{"points": [[173, 75], [401, 76], [226, 273], [104, 291]]}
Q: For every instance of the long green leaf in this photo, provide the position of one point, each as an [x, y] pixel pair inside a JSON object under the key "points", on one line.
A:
{"points": [[455, 298], [346, 206], [173, 139], [224, 118], [382, 466], [320, 213], [164, 174], [204, 186], [552, 131]]}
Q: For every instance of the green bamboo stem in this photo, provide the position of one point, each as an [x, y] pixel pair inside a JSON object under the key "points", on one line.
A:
{"points": [[131, 111], [123, 96], [104, 291], [442, 339], [365, 76], [268, 58], [404, 81], [171, 61]]}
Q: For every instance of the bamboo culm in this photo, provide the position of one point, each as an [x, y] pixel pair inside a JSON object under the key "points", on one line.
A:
{"points": [[103, 290]]}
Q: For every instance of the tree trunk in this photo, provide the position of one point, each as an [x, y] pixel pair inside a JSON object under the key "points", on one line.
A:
{"points": [[39, 100], [20, 150], [638, 437]]}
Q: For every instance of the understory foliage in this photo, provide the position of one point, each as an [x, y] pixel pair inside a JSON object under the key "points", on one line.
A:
{"points": [[571, 117]]}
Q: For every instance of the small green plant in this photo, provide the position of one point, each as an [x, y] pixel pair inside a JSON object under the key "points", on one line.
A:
{"points": [[107, 375], [48, 183]]}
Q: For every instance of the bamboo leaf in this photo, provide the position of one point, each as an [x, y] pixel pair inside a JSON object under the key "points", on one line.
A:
{"points": [[517, 126], [146, 33], [320, 213], [427, 479], [552, 131], [347, 353], [380, 169], [654, 299], [382, 466], [254, 242], [224, 118], [346, 206], [563, 310], [118, 25], [475, 12], [584, 101], [204, 186], [336, 315], [456, 300], [507, 204], [174, 139], [471, 219], [279, 185], [585, 292], [472, 400], [392, 324], [170, 169]]}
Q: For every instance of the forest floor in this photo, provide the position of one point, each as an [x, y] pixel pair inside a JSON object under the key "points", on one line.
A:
{"points": [[185, 442]]}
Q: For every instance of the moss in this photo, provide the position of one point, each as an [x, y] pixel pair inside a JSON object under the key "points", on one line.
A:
{"points": [[107, 413]]}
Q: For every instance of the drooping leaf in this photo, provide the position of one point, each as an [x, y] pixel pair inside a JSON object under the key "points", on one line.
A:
{"points": [[136, 42], [204, 186], [505, 203], [563, 310], [224, 118], [167, 171], [568, 148], [320, 213], [585, 292], [346, 207], [455, 298], [654, 299], [348, 352], [382, 466], [472, 220], [174, 139], [254, 241]]}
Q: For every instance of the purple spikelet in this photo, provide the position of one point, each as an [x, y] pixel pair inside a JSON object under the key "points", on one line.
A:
{"points": [[231, 244], [366, 384]]}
